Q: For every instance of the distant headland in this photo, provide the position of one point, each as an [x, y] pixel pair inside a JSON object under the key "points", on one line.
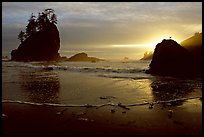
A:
{"points": [[147, 55]]}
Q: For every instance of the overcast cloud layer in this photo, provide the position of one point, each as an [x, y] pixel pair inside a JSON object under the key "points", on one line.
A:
{"points": [[100, 25]]}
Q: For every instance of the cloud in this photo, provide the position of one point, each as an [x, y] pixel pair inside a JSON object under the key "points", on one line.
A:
{"points": [[96, 24]]}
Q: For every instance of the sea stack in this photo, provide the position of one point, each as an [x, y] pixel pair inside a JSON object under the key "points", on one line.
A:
{"points": [[171, 59], [41, 40], [83, 57]]}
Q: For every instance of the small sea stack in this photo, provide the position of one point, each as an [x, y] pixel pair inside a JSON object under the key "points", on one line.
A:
{"points": [[82, 57]]}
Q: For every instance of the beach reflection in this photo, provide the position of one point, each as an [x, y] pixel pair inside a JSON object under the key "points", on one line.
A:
{"points": [[41, 86], [166, 88]]}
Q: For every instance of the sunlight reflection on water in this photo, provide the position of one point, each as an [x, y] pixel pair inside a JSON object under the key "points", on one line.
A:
{"points": [[37, 84]]}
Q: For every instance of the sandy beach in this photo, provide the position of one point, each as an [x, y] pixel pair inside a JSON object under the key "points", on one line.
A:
{"points": [[25, 119]]}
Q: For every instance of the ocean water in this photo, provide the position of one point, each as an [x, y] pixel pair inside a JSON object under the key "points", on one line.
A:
{"points": [[93, 84]]}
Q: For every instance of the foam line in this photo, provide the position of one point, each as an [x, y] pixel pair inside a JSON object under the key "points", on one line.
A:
{"points": [[100, 105]]}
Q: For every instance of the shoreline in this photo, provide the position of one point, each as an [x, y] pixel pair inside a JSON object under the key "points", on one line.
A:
{"points": [[25, 119]]}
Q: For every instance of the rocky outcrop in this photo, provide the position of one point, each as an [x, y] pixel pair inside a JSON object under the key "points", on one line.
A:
{"points": [[82, 57], [41, 46], [147, 55], [193, 42], [171, 59], [79, 57], [194, 46]]}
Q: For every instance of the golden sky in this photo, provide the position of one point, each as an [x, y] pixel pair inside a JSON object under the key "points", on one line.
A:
{"points": [[107, 28]]}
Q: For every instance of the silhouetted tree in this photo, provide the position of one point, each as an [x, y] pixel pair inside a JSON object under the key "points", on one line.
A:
{"points": [[49, 13], [46, 17], [21, 36], [32, 25], [54, 18], [41, 21]]}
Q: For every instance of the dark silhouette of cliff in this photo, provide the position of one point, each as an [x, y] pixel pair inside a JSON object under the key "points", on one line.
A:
{"points": [[41, 40], [82, 57], [147, 56], [193, 42], [171, 59], [194, 46]]}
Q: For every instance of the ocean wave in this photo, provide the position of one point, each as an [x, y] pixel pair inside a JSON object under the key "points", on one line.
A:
{"points": [[94, 69], [22, 65], [5, 60], [79, 67]]}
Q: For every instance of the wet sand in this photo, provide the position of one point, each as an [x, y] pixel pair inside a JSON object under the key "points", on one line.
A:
{"points": [[26, 119], [176, 118]]}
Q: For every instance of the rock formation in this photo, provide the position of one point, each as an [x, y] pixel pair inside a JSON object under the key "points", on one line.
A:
{"points": [[171, 59], [41, 43], [147, 55], [82, 57], [194, 46]]}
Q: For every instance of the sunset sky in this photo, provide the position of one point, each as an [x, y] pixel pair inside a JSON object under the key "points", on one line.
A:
{"points": [[107, 30]]}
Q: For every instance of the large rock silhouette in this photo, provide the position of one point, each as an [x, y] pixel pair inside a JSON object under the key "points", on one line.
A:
{"points": [[171, 59], [41, 46]]}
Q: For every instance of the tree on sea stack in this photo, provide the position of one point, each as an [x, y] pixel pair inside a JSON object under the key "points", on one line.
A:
{"points": [[40, 41], [34, 25], [21, 36], [31, 27]]}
